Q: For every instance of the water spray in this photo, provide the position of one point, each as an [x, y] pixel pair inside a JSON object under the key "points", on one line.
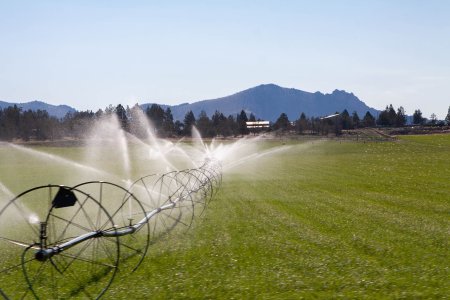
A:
{"points": [[77, 238], [73, 241]]}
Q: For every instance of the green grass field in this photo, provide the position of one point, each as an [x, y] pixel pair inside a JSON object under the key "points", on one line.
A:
{"points": [[322, 219]]}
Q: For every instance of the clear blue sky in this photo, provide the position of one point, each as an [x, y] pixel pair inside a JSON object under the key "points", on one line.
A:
{"points": [[89, 54]]}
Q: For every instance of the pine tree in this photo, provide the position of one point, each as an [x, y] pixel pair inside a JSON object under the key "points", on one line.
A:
{"points": [[392, 115], [400, 119], [242, 123], [368, 120], [355, 119], [188, 123], [156, 115], [346, 121], [168, 125], [122, 116], [204, 125], [417, 117], [301, 124], [282, 123]]}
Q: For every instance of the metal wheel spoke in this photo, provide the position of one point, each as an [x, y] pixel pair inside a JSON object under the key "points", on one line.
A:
{"points": [[73, 217], [87, 260], [16, 266], [126, 246], [69, 223], [74, 257]]}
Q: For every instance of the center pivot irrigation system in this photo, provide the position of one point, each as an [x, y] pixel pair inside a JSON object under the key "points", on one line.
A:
{"points": [[61, 242]]}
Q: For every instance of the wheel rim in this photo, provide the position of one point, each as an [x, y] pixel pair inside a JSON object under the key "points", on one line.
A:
{"points": [[85, 270]]}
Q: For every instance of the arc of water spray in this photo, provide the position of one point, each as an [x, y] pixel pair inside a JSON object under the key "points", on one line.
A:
{"points": [[159, 203], [59, 159]]}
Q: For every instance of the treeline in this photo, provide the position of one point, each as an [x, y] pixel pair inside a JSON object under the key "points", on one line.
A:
{"points": [[38, 125], [344, 121], [18, 124], [324, 126]]}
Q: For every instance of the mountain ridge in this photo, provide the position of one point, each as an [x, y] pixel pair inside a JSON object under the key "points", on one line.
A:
{"points": [[58, 111], [265, 101], [268, 101]]}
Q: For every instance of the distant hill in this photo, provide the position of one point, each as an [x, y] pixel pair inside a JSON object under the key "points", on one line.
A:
{"points": [[268, 101], [265, 101], [58, 111]]}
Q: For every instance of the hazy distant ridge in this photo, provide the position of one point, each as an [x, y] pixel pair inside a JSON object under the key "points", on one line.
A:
{"points": [[58, 111], [268, 101], [265, 101]]}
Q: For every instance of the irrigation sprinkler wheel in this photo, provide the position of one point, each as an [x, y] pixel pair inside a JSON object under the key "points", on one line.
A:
{"points": [[125, 210], [48, 216], [157, 191], [184, 193]]}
